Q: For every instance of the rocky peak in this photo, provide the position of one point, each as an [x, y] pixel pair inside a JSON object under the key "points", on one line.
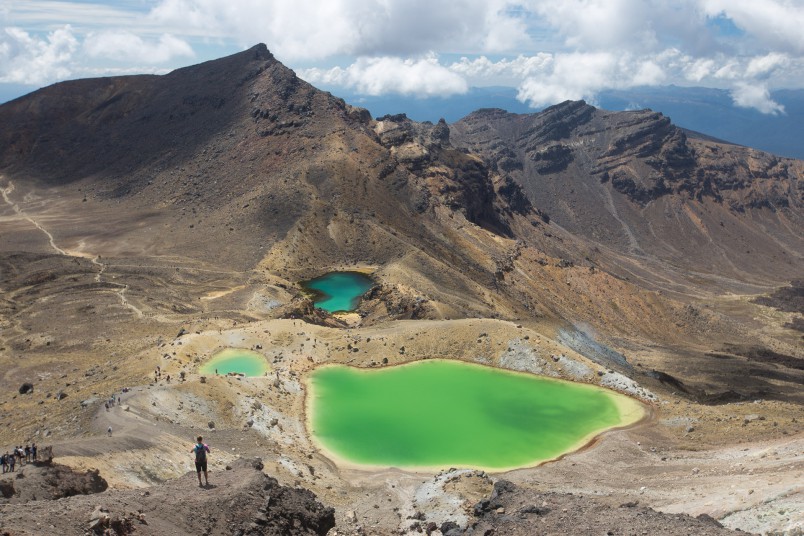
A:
{"points": [[76, 129], [440, 133], [560, 121]]}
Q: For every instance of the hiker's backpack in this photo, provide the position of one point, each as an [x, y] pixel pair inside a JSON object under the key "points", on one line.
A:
{"points": [[200, 453]]}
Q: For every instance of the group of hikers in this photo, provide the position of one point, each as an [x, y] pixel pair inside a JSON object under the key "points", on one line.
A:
{"points": [[19, 455], [113, 400]]}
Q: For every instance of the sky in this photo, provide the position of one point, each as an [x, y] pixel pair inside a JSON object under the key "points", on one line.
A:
{"points": [[549, 50]]}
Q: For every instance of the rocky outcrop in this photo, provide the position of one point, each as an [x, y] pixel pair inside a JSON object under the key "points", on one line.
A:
{"points": [[515, 511], [47, 481], [241, 500], [289, 511], [384, 301], [442, 174]]}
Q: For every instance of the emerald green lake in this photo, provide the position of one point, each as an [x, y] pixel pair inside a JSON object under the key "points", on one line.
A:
{"points": [[440, 413], [236, 360], [338, 291]]}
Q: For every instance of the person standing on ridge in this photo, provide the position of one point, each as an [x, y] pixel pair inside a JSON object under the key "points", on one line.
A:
{"points": [[200, 450]]}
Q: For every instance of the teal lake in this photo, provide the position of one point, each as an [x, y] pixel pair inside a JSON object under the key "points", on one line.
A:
{"points": [[236, 360], [440, 413], [338, 291]]}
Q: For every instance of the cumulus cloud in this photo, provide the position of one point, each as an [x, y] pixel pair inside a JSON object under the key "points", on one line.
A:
{"points": [[776, 24], [423, 77], [503, 71], [764, 66], [755, 96], [26, 59], [582, 75], [633, 25], [311, 29], [128, 47]]}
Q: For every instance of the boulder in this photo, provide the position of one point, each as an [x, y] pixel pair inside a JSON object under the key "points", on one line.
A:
{"points": [[26, 388]]}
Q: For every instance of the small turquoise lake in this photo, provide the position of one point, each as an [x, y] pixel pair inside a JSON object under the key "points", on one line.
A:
{"points": [[236, 360], [338, 291]]}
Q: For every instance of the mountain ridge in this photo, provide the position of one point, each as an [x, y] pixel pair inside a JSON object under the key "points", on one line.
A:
{"points": [[612, 176], [709, 111]]}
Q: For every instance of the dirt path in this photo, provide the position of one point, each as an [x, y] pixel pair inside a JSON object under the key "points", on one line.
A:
{"points": [[130, 431], [121, 287], [16, 208]]}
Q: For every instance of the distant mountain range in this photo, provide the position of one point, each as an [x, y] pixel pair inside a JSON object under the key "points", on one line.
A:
{"points": [[705, 110]]}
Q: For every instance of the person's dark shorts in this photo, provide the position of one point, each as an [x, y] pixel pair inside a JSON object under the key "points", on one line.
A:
{"points": [[200, 466]]}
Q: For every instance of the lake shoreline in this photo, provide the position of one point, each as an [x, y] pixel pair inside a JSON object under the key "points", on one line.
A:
{"points": [[631, 413]]}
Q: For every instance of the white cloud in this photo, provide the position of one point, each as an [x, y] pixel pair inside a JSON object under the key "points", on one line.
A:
{"points": [[423, 77], [481, 69], [543, 79], [755, 96], [632, 25], [311, 29], [699, 68], [776, 24], [581, 75], [128, 47], [763, 66], [25, 59]]}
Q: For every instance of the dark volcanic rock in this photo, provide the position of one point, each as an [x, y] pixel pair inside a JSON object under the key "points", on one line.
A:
{"points": [[290, 511], [46, 481], [514, 196], [512, 510], [442, 174], [789, 299]]}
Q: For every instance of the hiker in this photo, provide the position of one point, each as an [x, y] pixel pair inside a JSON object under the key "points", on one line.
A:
{"points": [[33, 451], [4, 462], [12, 460], [200, 450], [109, 431]]}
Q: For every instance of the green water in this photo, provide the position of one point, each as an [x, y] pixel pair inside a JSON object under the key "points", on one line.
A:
{"points": [[338, 291], [438, 413], [236, 360]]}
